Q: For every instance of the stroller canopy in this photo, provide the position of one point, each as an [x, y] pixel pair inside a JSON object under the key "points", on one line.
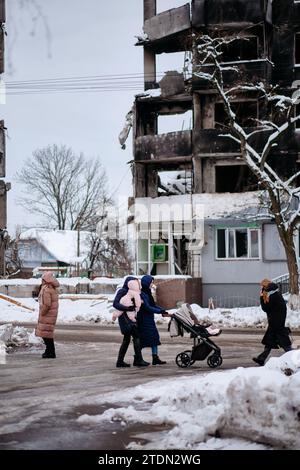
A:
{"points": [[183, 316]]}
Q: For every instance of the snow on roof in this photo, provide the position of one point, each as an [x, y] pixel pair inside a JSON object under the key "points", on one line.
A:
{"points": [[61, 244]]}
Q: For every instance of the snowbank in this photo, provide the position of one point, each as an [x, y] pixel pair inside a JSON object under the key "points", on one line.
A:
{"points": [[15, 336], [89, 308], [242, 317], [83, 310], [64, 281], [259, 404]]}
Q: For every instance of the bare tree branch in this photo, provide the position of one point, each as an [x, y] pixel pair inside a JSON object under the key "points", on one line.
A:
{"points": [[283, 196], [65, 188]]}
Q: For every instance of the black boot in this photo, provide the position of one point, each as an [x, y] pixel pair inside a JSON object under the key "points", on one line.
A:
{"points": [[122, 352], [138, 358], [48, 355], [156, 360], [122, 364], [139, 361], [261, 358], [50, 349]]}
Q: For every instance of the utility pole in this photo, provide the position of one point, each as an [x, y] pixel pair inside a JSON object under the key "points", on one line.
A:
{"points": [[4, 187], [78, 248]]}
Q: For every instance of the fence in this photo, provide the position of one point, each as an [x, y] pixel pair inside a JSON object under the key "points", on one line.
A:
{"points": [[233, 301]]}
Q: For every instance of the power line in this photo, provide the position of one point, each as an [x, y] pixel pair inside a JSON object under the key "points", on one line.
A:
{"points": [[84, 84]]}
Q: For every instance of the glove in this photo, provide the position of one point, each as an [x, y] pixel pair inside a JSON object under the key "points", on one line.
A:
{"points": [[130, 309]]}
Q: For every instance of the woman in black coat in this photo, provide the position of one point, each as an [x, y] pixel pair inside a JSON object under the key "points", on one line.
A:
{"points": [[145, 319], [277, 334], [128, 329]]}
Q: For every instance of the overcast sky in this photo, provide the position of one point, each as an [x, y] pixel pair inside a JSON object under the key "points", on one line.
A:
{"points": [[94, 37]]}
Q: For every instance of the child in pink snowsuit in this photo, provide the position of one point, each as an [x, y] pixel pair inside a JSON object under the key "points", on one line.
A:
{"points": [[133, 297]]}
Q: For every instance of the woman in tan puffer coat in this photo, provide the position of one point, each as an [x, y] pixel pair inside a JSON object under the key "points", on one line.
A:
{"points": [[48, 301]]}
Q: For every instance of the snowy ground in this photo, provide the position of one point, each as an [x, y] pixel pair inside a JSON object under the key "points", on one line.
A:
{"points": [[94, 309], [261, 405], [82, 401], [83, 310]]}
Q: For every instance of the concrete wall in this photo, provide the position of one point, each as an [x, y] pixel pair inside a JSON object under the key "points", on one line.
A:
{"points": [[173, 292], [168, 22], [29, 290]]}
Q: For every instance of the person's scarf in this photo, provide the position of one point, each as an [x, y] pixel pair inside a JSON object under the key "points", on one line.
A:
{"points": [[265, 294]]}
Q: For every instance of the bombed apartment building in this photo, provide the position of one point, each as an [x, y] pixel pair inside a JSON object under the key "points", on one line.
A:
{"points": [[4, 187], [181, 157]]}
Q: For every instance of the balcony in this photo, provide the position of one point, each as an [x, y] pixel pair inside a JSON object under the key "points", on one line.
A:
{"points": [[249, 71], [210, 141], [170, 146], [168, 24], [226, 12]]}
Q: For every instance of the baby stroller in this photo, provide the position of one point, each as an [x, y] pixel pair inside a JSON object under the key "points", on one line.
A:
{"points": [[184, 320]]}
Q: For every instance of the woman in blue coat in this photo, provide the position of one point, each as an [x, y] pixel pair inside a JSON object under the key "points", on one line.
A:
{"points": [[148, 332]]}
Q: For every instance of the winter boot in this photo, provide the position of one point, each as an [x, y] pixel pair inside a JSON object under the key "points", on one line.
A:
{"points": [[261, 358], [122, 352], [139, 361], [49, 355], [122, 364], [156, 361], [138, 358], [258, 361], [50, 349]]}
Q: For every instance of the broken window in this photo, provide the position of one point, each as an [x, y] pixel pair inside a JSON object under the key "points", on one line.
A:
{"points": [[246, 113], [169, 62], [235, 179], [180, 255], [241, 49], [297, 48], [172, 183], [174, 122], [237, 243]]}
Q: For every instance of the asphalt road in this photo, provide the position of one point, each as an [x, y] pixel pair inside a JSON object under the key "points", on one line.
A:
{"points": [[42, 399]]}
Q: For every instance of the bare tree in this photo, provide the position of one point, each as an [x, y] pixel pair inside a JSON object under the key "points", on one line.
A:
{"points": [[110, 257], [283, 192], [68, 190], [109, 253]]}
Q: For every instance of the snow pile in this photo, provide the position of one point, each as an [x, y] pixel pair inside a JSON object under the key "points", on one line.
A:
{"points": [[259, 404], [10, 312], [289, 363], [64, 281], [81, 310], [15, 336], [89, 308], [242, 317]]}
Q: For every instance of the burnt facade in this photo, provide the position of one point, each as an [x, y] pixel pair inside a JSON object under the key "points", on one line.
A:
{"points": [[202, 161], [3, 186], [272, 32]]}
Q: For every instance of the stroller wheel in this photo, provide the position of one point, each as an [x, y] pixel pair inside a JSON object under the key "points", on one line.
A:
{"points": [[184, 359], [214, 361]]}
